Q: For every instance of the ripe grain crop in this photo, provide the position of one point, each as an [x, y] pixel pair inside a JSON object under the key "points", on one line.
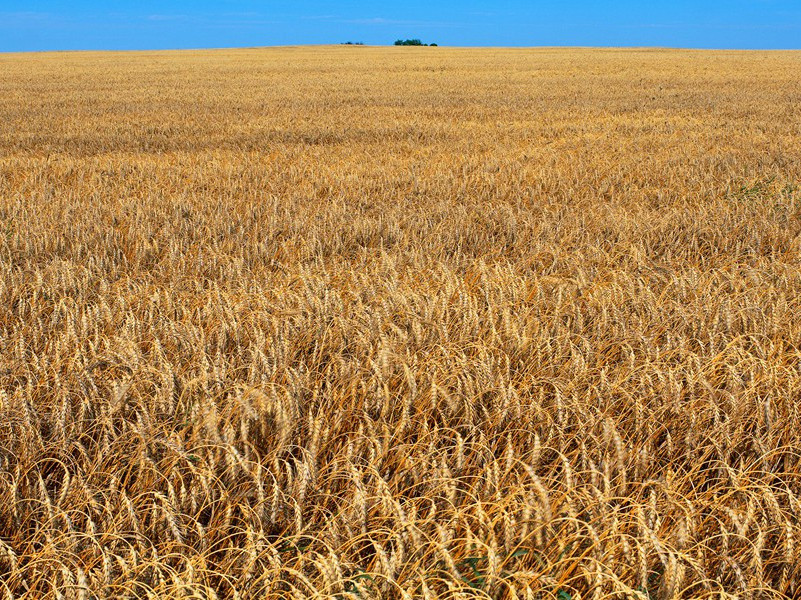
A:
{"points": [[400, 323]]}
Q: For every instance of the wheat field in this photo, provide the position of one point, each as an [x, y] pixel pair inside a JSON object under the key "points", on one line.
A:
{"points": [[401, 323]]}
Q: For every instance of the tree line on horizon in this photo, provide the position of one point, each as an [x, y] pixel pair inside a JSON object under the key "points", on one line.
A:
{"points": [[412, 42]]}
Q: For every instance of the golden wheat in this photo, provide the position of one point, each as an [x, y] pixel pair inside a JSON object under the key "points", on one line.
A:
{"points": [[400, 323]]}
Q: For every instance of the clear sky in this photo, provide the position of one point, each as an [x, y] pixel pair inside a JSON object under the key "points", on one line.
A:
{"points": [[146, 24]]}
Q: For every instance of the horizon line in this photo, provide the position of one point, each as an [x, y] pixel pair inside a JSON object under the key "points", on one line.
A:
{"points": [[360, 45]]}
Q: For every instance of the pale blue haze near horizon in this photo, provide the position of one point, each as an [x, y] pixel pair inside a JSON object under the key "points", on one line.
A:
{"points": [[148, 24]]}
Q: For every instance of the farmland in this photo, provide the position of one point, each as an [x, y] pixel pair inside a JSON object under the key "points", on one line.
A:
{"points": [[354, 322]]}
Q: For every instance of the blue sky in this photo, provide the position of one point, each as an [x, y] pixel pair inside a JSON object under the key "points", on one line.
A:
{"points": [[150, 24]]}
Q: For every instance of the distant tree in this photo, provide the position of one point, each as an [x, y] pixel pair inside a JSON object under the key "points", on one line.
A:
{"points": [[413, 42], [353, 43]]}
